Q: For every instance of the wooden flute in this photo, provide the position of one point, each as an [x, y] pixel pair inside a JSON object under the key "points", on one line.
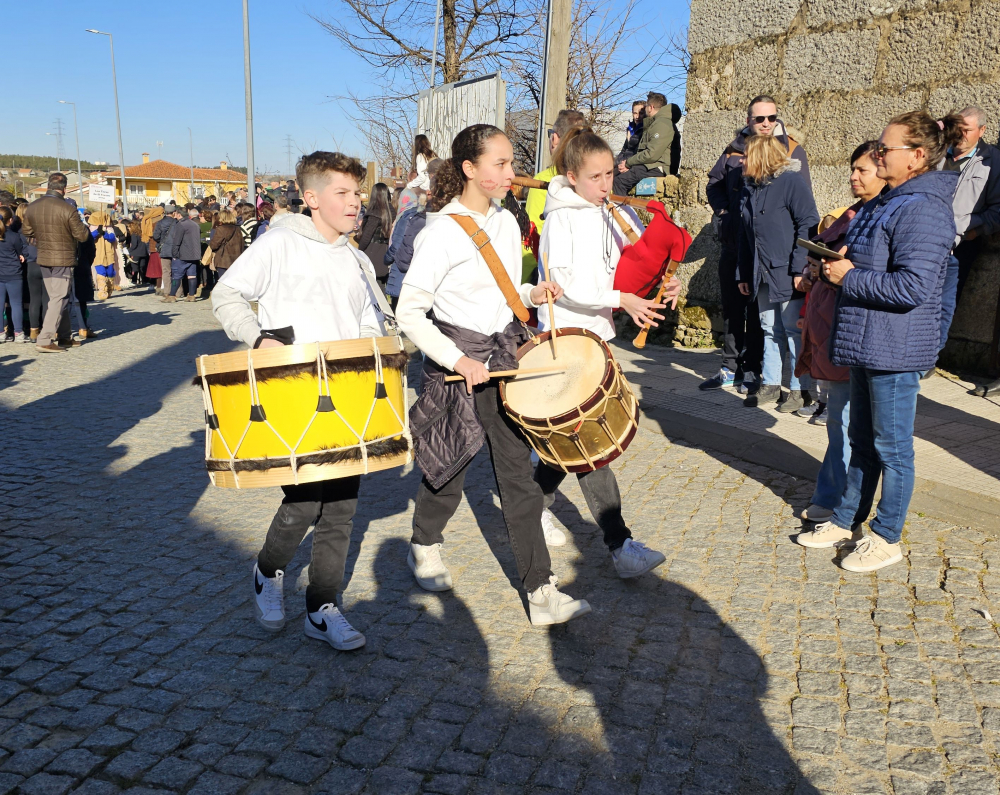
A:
{"points": [[668, 274]]}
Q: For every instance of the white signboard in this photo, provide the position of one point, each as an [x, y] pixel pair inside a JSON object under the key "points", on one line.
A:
{"points": [[445, 111], [102, 194]]}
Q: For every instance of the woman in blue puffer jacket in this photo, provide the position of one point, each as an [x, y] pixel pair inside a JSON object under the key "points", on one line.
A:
{"points": [[887, 328]]}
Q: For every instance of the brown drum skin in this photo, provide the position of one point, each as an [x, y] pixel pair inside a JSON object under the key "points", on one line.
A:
{"points": [[609, 414]]}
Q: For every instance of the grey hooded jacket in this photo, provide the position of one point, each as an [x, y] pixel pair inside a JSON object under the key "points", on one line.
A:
{"points": [[977, 195]]}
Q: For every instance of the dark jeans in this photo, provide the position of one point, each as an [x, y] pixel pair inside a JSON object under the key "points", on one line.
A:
{"points": [[37, 297], [331, 505], [883, 406], [11, 291], [625, 181], [742, 335], [600, 490], [520, 497], [959, 266]]}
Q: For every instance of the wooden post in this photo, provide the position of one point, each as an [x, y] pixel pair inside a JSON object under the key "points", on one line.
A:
{"points": [[555, 70], [370, 178]]}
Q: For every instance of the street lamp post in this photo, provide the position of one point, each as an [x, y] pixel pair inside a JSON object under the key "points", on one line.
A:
{"points": [[251, 191], [76, 133], [58, 162], [118, 120], [191, 147]]}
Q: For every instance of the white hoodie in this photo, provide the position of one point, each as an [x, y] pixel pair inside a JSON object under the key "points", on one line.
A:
{"points": [[450, 276], [298, 279], [583, 244]]}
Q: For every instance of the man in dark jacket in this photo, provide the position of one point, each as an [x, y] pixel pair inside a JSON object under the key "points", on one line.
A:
{"points": [[742, 338], [185, 239], [161, 234], [633, 132], [58, 229], [653, 156]]}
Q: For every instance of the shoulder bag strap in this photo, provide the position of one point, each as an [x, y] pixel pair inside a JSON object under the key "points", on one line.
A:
{"points": [[481, 241]]}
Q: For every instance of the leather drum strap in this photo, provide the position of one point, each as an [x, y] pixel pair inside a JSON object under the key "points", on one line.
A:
{"points": [[481, 241]]}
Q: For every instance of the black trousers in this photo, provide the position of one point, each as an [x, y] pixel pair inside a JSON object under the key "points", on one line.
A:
{"points": [[330, 504], [141, 263], [625, 181], [38, 298], [742, 336], [966, 253], [520, 497], [600, 490]]}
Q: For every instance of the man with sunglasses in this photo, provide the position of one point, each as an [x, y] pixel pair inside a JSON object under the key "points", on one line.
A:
{"points": [[743, 339]]}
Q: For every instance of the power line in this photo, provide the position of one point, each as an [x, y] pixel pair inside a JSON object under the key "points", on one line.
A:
{"points": [[288, 151], [59, 137]]}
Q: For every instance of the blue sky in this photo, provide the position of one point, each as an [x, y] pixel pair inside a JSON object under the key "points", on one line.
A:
{"points": [[180, 65]]}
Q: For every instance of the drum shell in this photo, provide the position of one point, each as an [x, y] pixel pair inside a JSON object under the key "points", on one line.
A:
{"points": [[610, 413], [325, 442]]}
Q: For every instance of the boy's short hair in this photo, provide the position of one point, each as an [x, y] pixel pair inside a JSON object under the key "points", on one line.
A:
{"points": [[655, 99], [566, 120], [640, 103], [314, 169]]}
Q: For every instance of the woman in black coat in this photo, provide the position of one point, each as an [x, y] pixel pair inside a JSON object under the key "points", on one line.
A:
{"points": [[376, 227], [776, 206]]}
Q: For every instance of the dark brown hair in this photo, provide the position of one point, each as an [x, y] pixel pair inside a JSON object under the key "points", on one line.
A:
{"points": [[867, 148], [266, 211], [575, 146], [656, 99], [567, 120], [760, 98], [314, 168], [6, 216], [422, 146], [469, 144], [922, 131]]}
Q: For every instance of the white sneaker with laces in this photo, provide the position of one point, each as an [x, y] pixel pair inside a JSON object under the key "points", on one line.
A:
{"points": [[269, 599], [816, 513], [426, 564], [826, 535], [871, 553], [554, 537], [634, 558], [329, 624], [546, 605]]}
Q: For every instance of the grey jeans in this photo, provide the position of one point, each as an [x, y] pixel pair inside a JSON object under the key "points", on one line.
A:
{"points": [[520, 498], [330, 504], [58, 285], [600, 490]]}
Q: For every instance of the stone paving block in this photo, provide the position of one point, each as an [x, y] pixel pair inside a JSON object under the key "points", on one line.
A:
{"points": [[76, 762], [47, 784], [129, 766]]}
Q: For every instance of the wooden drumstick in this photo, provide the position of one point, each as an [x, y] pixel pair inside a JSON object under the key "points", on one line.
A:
{"points": [[512, 373], [552, 308], [668, 274]]}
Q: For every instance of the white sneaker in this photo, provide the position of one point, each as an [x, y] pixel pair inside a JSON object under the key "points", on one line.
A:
{"points": [[826, 535], [546, 605], [329, 624], [634, 558], [872, 553], [426, 564], [816, 513], [554, 537], [269, 599]]}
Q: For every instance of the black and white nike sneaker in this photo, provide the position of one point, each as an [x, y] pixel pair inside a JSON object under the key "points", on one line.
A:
{"points": [[269, 599], [329, 624]]}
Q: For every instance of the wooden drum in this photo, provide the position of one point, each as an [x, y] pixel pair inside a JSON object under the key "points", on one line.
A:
{"points": [[303, 413], [578, 420]]}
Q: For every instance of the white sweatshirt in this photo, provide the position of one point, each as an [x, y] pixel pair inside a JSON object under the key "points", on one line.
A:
{"points": [[298, 279], [423, 179], [450, 276], [583, 244]]}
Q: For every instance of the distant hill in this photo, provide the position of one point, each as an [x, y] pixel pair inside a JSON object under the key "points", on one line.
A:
{"points": [[42, 163]]}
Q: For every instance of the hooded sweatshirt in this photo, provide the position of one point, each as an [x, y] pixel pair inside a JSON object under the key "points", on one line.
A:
{"points": [[583, 244], [298, 279], [449, 276]]}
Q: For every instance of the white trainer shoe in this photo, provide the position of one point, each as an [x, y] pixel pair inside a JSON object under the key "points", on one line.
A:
{"points": [[426, 564], [329, 624], [554, 537], [546, 605], [634, 558], [872, 553], [826, 535], [269, 599], [816, 513]]}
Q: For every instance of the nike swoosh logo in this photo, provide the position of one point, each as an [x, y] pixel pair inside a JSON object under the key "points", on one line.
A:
{"points": [[321, 626], [257, 585]]}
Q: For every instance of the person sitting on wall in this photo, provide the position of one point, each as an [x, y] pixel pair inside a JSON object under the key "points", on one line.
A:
{"points": [[633, 132], [653, 156]]}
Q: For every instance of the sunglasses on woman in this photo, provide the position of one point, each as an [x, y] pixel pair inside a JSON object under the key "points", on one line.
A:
{"points": [[881, 150], [760, 119]]}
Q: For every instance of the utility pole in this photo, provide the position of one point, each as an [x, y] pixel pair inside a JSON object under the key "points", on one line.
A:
{"points": [[58, 162], [251, 192], [555, 68], [118, 118], [59, 139], [288, 153], [76, 134], [191, 146]]}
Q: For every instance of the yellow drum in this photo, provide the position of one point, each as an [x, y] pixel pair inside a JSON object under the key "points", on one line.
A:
{"points": [[303, 413], [578, 420]]}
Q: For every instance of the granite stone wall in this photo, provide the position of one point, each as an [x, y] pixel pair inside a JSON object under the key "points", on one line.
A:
{"points": [[840, 69]]}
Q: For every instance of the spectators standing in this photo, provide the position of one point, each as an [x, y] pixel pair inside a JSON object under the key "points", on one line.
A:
{"points": [[138, 251], [187, 256], [833, 382], [280, 205], [742, 337], [37, 297], [161, 235], [976, 205], [403, 255], [409, 206], [226, 242], [11, 275], [266, 212], [57, 228], [633, 132], [653, 156], [376, 228], [777, 207], [248, 222], [888, 329], [422, 155]]}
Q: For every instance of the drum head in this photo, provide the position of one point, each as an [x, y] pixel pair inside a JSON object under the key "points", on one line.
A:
{"points": [[585, 361]]}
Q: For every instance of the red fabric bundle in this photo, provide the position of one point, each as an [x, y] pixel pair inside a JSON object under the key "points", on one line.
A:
{"points": [[641, 266]]}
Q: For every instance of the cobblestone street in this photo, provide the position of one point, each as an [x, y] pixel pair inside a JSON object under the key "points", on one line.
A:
{"points": [[131, 660]]}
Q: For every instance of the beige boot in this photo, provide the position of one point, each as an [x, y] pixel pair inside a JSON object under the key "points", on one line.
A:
{"points": [[34, 334]]}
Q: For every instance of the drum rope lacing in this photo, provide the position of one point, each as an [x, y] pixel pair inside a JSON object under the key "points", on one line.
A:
{"points": [[257, 414]]}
